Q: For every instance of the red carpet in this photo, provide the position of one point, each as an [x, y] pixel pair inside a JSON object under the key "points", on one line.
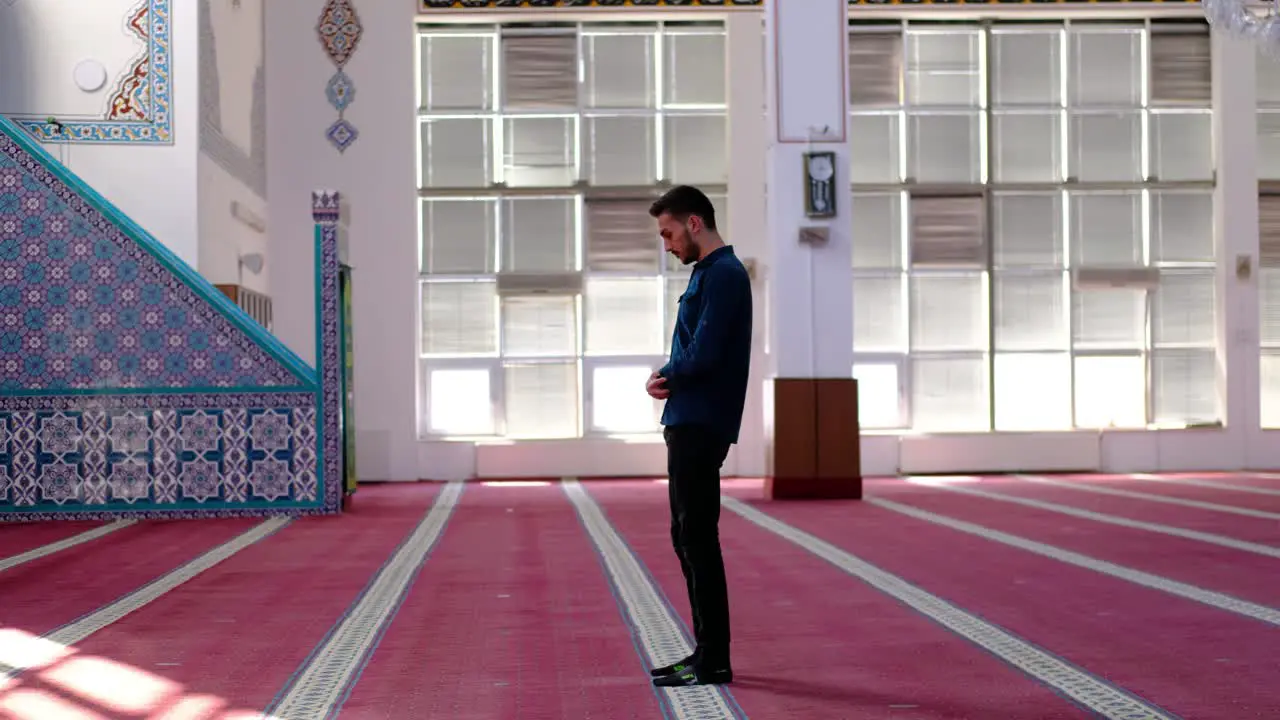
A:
{"points": [[843, 649], [1178, 490], [277, 599], [1257, 530], [16, 539], [44, 594], [1242, 574], [511, 617], [1190, 659]]}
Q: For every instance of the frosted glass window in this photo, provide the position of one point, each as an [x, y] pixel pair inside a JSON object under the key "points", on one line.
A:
{"points": [[1033, 391], [541, 400], [943, 68], [1106, 229], [624, 316], [675, 287], [877, 231], [460, 402], [1269, 300], [874, 148], [879, 395], [540, 151], [1183, 311], [1028, 230], [1268, 143], [1031, 312], [1185, 386], [619, 403], [539, 326], [879, 324], [1106, 147], [1182, 227], [1028, 147], [1027, 68], [618, 70], [539, 234], [456, 72], [620, 151], [945, 148], [458, 236], [1181, 146], [1111, 391], [948, 312], [455, 153], [695, 69], [696, 149], [1108, 318], [950, 394], [1270, 390], [459, 318], [1106, 67]]}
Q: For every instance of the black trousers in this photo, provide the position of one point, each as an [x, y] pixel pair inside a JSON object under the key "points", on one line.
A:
{"points": [[694, 456]]}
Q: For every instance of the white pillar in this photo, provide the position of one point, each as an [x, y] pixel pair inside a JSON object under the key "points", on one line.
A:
{"points": [[810, 288]]}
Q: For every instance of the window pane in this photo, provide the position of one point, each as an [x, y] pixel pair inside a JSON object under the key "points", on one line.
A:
{"points": [[1268, 231], [879, 403], [541, 400], [1111, 392], [675, 287], [1106, 147], [949, 394], [1106, 229], [458, 236], [1106, 67], [948, 231], [696, 149], [1183, 311], [540, 71], [1268, 143], [619, 71], [1108, 319], [539, 234], [1269, 299], [621, 237], [875, 68], [1186, 386], [1031, 312], [878, 314], [1267, 84], [619, 403], [456, 72], [948, 312], [1028, 147], [1181, 146], [624, 317], [1181, 227], [458, 318], [455, 152], [695, 69], [875, 149], [459, 402], [1028, 230], [539, 326], [1181, 63], [540, 151], [877, 230], [1270, 390], [1033, 391], [943, 67], [945, 148], [620, 151], [1027, 68]]}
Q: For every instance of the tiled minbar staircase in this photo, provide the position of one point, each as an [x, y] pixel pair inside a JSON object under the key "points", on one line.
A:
{"points": [[130, 386]]}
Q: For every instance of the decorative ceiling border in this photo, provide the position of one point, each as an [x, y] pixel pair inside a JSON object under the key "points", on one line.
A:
{"points": [[140, 109]]}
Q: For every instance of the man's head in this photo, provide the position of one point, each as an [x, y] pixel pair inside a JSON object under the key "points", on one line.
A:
{"points": [[687, 223]]}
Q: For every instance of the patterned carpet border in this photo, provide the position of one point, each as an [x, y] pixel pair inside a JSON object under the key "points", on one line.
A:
{"points": [[63, 544], [653, 625], [1221, 601], [324, 681], [1074, 683], [76, 631]]}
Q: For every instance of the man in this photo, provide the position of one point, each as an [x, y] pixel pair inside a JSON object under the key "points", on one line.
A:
{"points": [[705, 385]]}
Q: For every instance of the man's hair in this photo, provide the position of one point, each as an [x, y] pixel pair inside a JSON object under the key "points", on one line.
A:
{"points": [[683, 202]]}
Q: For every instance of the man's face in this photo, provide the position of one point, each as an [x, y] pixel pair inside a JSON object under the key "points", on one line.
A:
{"points": [[677, 237]]}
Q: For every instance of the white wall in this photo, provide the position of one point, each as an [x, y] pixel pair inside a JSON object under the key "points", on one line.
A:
{"points": [[232, 164], [40, 45], [377, 174]]}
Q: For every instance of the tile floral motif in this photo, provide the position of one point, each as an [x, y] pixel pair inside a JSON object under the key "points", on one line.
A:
{"points": [[140, 109], [340, 30], [236, 425]]}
